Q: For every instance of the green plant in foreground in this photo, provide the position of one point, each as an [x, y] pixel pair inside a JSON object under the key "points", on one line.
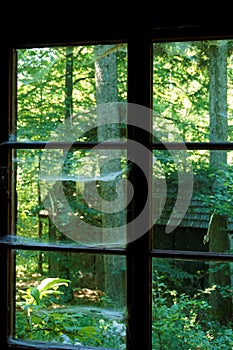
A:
{"points": [[184, 322], [36, 321], [47, 287]]}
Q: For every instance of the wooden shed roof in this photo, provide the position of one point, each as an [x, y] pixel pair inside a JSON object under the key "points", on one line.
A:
{"points": [[197, 215]]}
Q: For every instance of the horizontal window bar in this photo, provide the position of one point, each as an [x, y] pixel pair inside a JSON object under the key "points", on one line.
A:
{"points": [[16, 242], [112, 145], [33, 345], [193, 145], [191, 255], [60, 145]]}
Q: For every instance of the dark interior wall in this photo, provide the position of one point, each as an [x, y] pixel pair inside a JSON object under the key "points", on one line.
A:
{"points": [[43, 22]]}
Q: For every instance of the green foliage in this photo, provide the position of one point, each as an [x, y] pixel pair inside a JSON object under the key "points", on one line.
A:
{"points": [[182, 312], [181, 100], [48, 286], [180, 320], [219, 200], [183, 322], [34, 321], [38, 318]]}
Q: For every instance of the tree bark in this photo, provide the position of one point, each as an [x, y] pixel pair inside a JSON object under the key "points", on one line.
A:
{"points": [[218, 228], [61, 265], [110, 267]]}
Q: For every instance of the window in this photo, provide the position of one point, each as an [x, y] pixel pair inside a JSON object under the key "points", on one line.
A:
{"points": [[116, 192]]}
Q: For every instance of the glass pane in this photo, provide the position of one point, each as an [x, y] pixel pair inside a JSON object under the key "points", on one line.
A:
{"points": [[60, 87], [192, 200], [71, 298], [193, 90], [192, 305], [76, 196]]}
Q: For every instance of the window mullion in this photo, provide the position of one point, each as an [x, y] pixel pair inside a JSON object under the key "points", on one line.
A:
{"points": [[138, 257], [7, 61]]}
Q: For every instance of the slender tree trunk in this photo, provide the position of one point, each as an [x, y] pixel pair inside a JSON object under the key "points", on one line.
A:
{"points": [[218, 227], [61, 265], [109, 267]]}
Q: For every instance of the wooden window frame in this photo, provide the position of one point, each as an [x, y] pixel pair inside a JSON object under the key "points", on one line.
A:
{"points": [[138, 253]]}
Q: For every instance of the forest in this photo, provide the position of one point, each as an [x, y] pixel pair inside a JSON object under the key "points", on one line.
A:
{"points": [[79, 94]]}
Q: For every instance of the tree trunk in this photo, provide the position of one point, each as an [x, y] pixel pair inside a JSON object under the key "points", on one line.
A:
{"points": [[218, 227], [219, 274], [110, 267], [60, 266]]}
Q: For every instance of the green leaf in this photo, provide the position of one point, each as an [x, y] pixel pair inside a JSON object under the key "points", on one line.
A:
{"points": [[49, 283], [34, 292], [87, 331]]}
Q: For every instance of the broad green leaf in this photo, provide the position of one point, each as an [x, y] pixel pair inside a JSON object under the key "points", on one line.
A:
{"points": [[34, 292], [49, 283]]}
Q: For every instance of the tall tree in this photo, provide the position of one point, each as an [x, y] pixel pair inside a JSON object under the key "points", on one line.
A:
{"points": [[218, 228], [108, 116], [62, 266]]}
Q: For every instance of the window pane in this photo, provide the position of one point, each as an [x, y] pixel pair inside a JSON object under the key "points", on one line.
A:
{"points": [[63, 85], [192, 305], [71, 298], [192, 91], [192, 200], [72, 195]]}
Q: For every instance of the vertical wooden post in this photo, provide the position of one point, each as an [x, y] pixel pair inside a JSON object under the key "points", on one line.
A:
{"points": [[138, 257]]}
